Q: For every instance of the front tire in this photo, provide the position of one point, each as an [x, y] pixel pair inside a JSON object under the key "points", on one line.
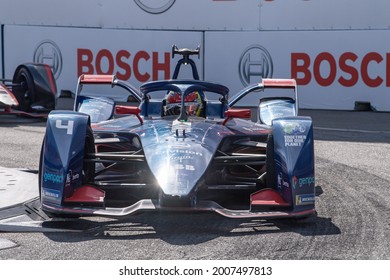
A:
{"points": [[89, 148]]}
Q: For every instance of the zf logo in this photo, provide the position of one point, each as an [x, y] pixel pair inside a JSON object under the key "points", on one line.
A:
{"points": [[255, 63], [155, 7]]}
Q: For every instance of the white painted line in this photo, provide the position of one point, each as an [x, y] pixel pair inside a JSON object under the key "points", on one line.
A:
{"points": [[17, 186], [6, 244], [352, 130]]}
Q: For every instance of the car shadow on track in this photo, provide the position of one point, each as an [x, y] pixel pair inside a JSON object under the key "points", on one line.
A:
{"points": [[178, 228], [16, 121], [186, 228]]}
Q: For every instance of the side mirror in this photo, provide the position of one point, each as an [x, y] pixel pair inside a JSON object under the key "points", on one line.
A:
{"points": [[129, 110], [273, 108], [237, 113]]}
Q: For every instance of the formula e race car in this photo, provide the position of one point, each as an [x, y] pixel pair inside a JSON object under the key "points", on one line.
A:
{"points": [[182, 151], [31, 92]]}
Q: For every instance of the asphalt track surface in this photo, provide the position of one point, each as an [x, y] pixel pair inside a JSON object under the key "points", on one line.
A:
{"points": [[352, 152]]}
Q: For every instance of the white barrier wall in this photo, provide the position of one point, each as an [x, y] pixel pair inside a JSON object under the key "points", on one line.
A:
{"points": [[329, 14], [134, 14], [333, 68], [136, 56], [336, 50], [1, 52], [203, 15]]}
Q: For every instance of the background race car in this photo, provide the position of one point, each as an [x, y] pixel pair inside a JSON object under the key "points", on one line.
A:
{"points": [[31, 92]]}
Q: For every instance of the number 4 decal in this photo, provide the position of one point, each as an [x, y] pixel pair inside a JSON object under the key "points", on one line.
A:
{"points": [[68, 126]]}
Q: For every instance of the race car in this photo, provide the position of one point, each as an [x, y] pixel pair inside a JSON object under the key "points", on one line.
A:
{"points": [[110, 159], [31, 92]]}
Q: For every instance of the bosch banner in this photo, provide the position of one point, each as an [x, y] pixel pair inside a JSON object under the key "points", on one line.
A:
{"points": [[324, 15], [333, 69], [136, 56]]}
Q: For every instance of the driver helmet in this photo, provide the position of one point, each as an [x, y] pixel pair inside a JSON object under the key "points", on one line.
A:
{"points": [[193, 104]]}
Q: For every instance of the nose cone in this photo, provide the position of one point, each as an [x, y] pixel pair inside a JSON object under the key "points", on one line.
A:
{"points": [[178, 165]]}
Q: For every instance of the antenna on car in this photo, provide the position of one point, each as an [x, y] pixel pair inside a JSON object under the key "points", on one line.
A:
{"points": [[186, 53]]}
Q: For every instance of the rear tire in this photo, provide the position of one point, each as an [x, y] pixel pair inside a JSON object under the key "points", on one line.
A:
{"points": [[40, 170], [25, 91], [271, 176], [89, 148]]}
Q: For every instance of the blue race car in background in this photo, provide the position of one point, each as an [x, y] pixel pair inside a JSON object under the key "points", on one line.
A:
{"points": [[181, 145]]}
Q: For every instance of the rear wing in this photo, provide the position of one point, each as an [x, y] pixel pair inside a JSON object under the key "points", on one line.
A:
{"points": [[97, 79], [279, 83], [85, 79], [283, 83], [268, 83]]}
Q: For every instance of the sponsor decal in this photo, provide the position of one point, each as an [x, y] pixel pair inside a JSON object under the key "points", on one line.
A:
{"points": [[70, 177], [306, 181], [282, 183], [124, 64], [255, 63], [53, 178], [346, 69], [186, 167], [155, 6], [294, 140], [49, 53], [180, 155], [49, 193], [294, 134], [294, 128], [304, 199], [177, 153], [186, 152], [302, 182], [295, 182]]}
